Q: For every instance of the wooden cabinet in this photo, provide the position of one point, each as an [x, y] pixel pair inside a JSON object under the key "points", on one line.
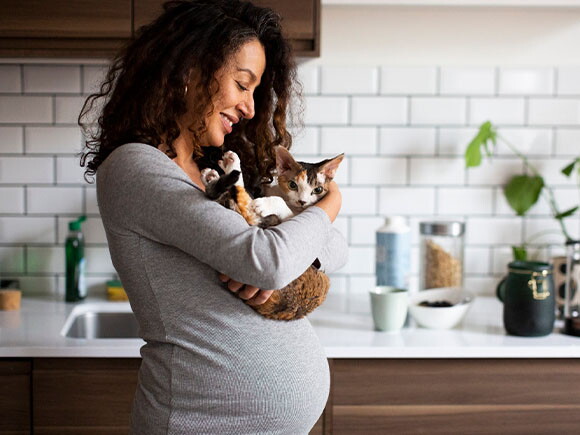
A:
{"points": [[459, 396], [98, 28], [91, 28], [82, 395], [15, 396]]}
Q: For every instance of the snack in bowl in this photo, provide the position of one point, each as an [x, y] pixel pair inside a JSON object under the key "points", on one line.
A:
{"points": [[441, 308]]}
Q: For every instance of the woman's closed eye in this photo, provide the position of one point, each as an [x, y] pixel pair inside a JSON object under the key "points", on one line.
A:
{"points": [[242, 87]]}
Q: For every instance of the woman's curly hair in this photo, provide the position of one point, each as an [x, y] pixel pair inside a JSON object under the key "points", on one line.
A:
{"points": [[143, 94]]}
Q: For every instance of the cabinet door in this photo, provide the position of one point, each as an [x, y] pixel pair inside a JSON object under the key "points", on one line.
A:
{"points": [[83, 396], [14, 396], [461, 396], [63, 27], [300, 19]]}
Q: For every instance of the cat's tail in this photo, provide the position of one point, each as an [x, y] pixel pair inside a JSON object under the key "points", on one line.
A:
{"points": [[217, 187]]}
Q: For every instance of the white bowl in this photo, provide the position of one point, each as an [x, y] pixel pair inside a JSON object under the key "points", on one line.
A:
{"points": [[440, 317]]}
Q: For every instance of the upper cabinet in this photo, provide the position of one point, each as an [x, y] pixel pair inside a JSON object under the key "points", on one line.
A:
{"points": [[300, 19], [98, 28], [63, 28]]}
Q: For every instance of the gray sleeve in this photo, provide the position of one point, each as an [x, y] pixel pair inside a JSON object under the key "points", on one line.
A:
{"points": [[141, 191], [334, 255]]}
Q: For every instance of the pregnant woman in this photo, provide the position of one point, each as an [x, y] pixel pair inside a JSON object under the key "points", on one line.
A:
{"points": [[215, 73]]}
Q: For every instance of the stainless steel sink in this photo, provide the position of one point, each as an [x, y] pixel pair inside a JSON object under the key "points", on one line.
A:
{"points": [[98, 324]]}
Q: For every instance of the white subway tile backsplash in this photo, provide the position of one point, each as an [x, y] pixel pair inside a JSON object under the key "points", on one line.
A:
{"points": [[67, 109], [11, 259], [510, 111], [409, 80], [567, 142], [52, 79], [45, 259], [551, 111], [26, 170], [349, 140], [363, 229], [349, 80], [55, 200], [11, 200], [378, 170], [25, 109], [546, 230], [404, 131], [69, 170], [93, 76], [407, 141], [358, 200], [99, 260], [528, 81], [326, 110], [10, 79], [49, 140], [306, 140], [11, 140], [454, 141], [493, 231], [530, 141], [495, 171], [25, 229], [467, 81], [464, 201], [438, 111], [379, 110], [406, 200], [437, 171]]}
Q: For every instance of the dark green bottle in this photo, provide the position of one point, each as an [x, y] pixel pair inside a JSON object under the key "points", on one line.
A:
{"points": [[76, 287]]}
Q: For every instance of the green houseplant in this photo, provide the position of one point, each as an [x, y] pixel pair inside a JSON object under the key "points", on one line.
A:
{"points": [[522, 191]]}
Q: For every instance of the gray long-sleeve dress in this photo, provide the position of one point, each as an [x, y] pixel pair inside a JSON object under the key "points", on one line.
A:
{"points": [[210, 363]]}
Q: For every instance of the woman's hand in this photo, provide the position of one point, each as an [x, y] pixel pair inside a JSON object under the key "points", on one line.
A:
{"points": [[249, 293], [332, 201]]}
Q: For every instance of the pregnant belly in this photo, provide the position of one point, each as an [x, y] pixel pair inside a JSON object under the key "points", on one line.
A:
{"points": [[274, 380]]}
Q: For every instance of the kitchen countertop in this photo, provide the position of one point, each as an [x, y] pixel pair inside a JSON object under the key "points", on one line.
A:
{"points": [[35, 331]]}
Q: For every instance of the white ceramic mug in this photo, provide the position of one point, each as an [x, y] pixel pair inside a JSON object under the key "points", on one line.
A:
{"points": [[389, 307]]}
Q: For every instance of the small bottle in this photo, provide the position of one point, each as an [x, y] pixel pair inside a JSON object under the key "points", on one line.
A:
{"points": [[393, 255], [76, 288]]}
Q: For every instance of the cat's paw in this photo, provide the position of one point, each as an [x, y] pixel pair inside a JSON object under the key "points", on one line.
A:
{"points": [[271, 205], [208, 175], [229, 162]]}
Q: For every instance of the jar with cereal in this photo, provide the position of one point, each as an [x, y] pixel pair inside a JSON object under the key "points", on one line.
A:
{"points": [[441, 251]]}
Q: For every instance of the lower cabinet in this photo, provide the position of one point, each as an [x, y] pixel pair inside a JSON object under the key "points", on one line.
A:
{"points": [[368, 396]]}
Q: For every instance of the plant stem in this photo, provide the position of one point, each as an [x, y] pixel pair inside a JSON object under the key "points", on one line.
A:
{"points": [[549, 196]]}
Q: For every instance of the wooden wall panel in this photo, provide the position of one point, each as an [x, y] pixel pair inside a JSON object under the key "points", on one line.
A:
{"points": [[15, 396]]}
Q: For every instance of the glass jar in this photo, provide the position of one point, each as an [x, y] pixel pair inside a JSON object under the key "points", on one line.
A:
{"points": [[571, 302], [441, 254]]}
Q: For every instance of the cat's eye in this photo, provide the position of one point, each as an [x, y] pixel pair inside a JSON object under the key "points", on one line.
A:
{"points": [[292, 185], [317, 190]]}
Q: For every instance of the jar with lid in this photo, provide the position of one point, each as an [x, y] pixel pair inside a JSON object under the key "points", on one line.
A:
{"points": [[571, 302], [441, 254]]}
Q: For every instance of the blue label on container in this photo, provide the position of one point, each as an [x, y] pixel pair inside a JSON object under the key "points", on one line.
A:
{"points": [[393, 259]]}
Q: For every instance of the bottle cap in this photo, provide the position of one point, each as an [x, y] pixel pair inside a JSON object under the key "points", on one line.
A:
{"points": [[454, 229], [76, 225], [395, 221]]}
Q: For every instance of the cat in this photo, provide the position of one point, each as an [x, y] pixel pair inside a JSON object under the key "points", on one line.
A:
{"points": [[298, 186]]}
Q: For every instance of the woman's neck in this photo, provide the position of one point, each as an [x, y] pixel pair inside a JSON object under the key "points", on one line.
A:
{"points": [[184, 160]]}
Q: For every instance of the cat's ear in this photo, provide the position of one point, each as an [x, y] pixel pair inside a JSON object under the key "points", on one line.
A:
{"points": [[284, 161], [329, 167]]}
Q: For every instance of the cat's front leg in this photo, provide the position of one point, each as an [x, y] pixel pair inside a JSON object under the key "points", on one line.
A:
{"points": [[272, 205], [230, 162], [208, 175]]}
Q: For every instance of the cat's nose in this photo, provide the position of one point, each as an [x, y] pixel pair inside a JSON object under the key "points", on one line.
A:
{"points": [[302, 203]]}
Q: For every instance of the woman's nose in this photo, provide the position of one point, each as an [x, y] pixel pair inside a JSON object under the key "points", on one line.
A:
{"points": [[247, 108]]}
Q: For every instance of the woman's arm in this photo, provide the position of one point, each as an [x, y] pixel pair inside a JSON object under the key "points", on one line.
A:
{"points": [[141, 191]]}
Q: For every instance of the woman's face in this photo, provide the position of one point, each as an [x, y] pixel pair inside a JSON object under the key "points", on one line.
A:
{"points": [[235, 98]]}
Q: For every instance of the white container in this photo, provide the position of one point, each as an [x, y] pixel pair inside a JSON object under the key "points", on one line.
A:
{"points": [[440, 317], [393, 253]]}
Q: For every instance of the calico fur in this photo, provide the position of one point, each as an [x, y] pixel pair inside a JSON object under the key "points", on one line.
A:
{"points": [[309, 290]]}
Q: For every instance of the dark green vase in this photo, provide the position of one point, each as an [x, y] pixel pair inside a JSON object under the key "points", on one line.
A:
{"points": [[528, 299]]}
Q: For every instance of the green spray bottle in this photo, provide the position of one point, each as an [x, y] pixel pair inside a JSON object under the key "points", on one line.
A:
{"points": [[76, 287]]}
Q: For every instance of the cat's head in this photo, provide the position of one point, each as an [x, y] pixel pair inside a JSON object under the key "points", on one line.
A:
{"points": [[303, 184]]}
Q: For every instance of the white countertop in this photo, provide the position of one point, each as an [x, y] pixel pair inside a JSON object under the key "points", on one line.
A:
{"points": [[35, 331]]}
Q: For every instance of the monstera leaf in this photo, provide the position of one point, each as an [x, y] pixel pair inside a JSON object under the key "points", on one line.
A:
{"points": [[522, 192]]}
